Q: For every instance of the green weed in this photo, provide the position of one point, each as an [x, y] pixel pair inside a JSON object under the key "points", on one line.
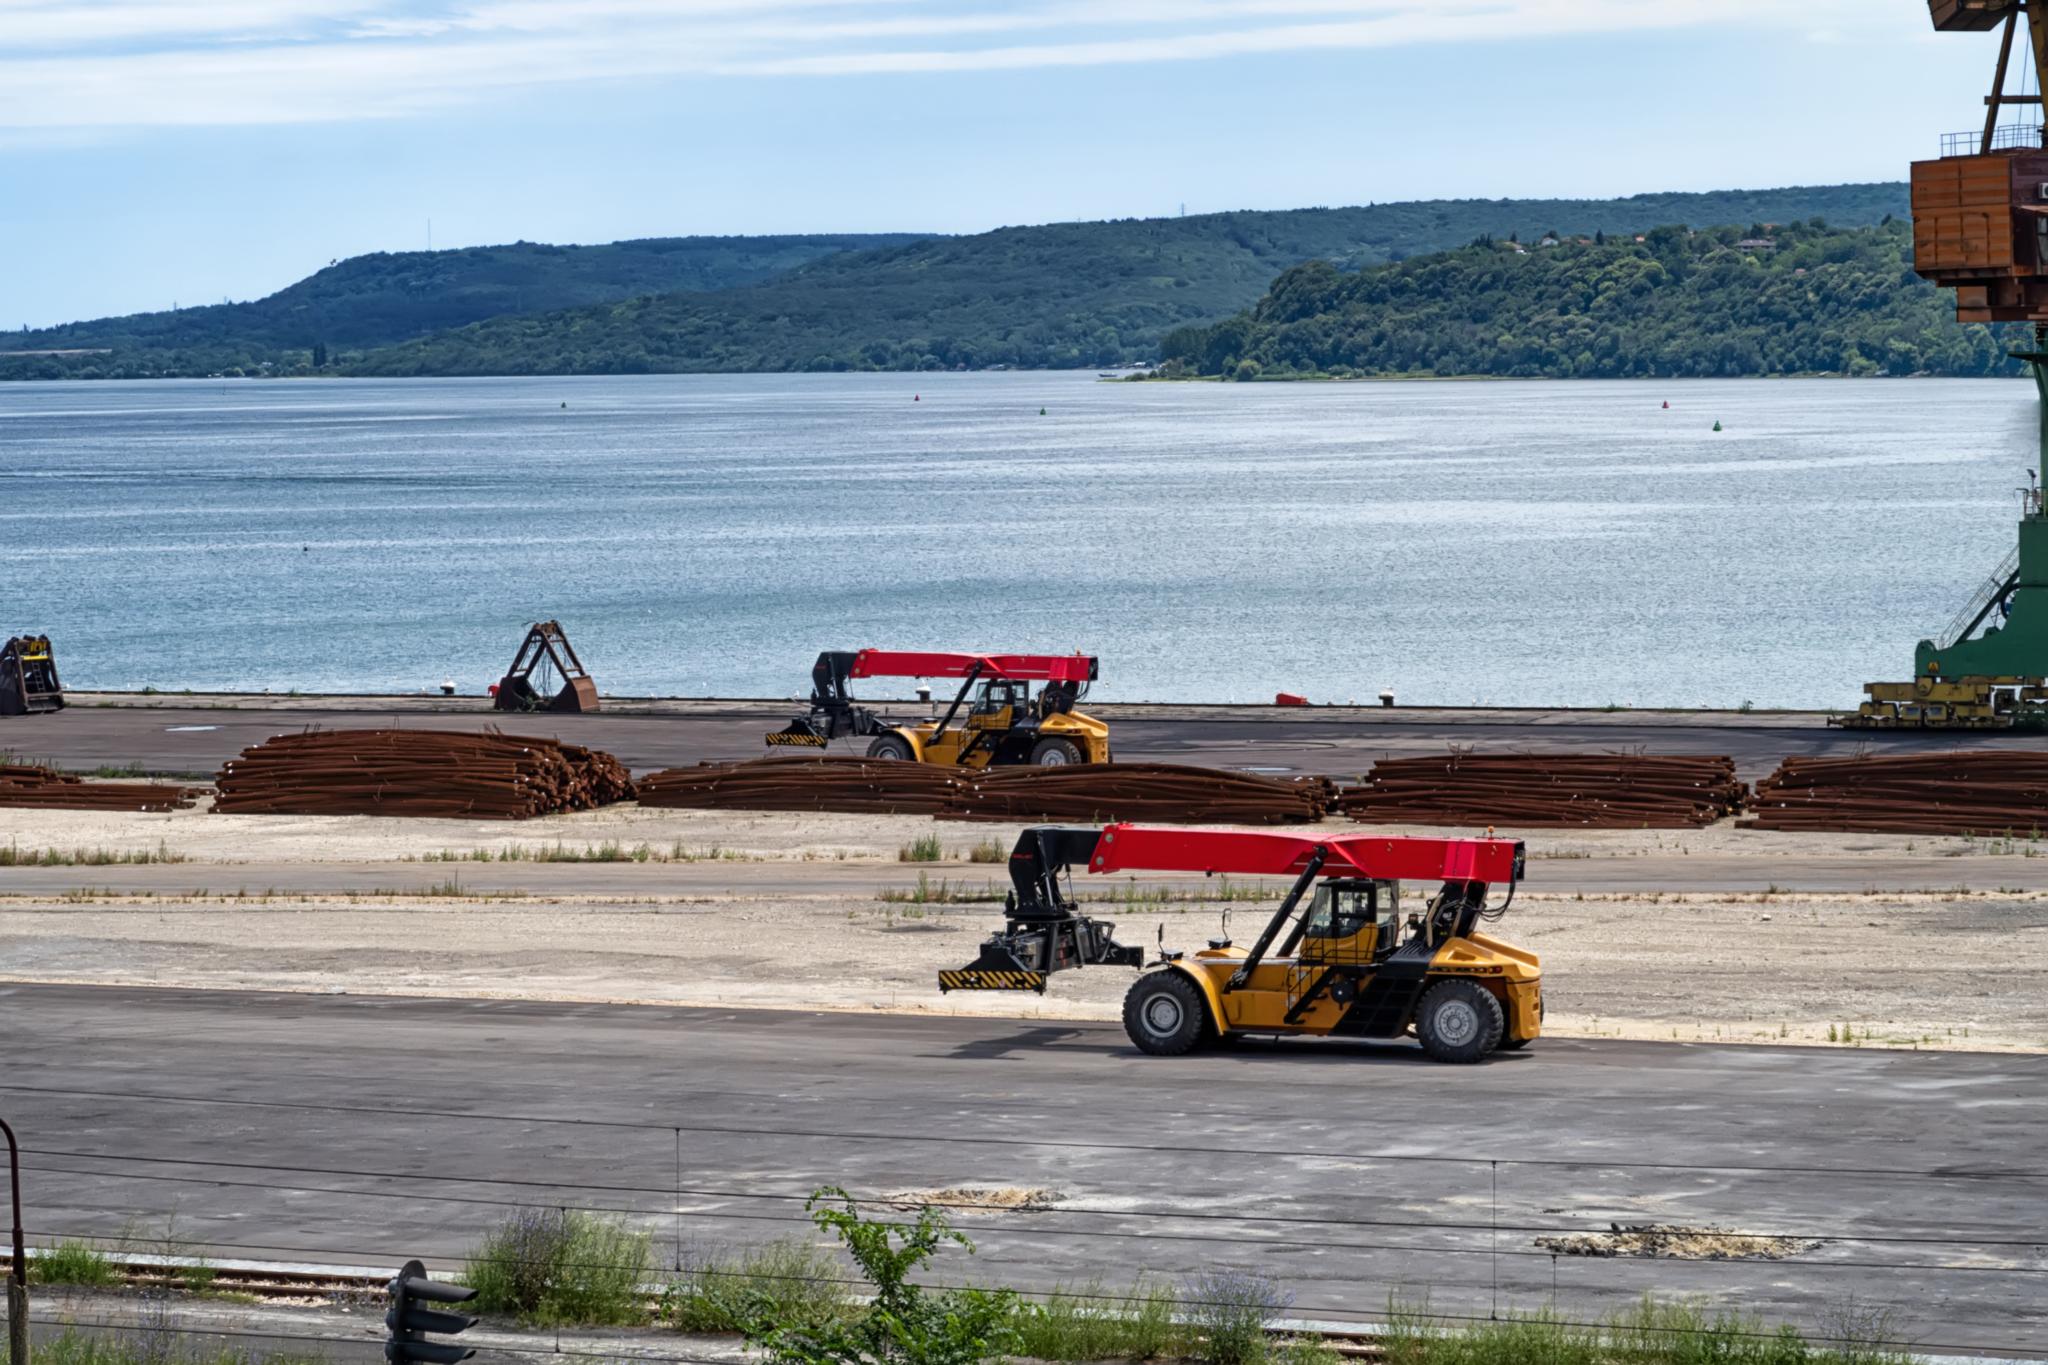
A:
{"points": [[14, 855], [1226, 1314], [940, 892], [988, 851], [923, 849], [76, 1263], [1648, 1333], [1085, 1324], [561, 1268], [788, 1283], [902, 1323], [149, 1347]]}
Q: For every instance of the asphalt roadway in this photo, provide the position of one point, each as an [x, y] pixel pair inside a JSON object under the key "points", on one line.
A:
{"points": [[367, 1130], [196, 735]]}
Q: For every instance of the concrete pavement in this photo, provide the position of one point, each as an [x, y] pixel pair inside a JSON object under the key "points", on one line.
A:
{"points": [[363, 1129]]}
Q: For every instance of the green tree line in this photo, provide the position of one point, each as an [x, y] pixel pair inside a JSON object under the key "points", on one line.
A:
{"points": [[1056, 295], [1802, 298]]}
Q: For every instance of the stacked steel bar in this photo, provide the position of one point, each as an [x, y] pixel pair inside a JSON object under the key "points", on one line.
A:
{"points": [[1158, 792], [819, 783], [1987, 791], [1549, 791], [431, 773], [1126, 791], [32, 786]]}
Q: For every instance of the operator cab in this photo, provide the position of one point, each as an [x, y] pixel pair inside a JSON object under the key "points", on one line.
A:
{"points": [[1352, 921], [1000, 697]]}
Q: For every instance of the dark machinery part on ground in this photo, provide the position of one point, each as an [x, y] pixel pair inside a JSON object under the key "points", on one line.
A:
{"points": [[1980, 227], [28, 677], [1004, 722], [1332, 960], [408, 1317], [545, 652]]}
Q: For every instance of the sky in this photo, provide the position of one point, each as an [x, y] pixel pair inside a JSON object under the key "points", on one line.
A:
{"points": [[164, 152]]}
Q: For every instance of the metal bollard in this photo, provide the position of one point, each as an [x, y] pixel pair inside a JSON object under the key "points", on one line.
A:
{"points": [[17, 1322], [17, 1276]]}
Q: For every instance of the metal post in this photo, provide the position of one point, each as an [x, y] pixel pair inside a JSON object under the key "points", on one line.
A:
{"points": [[17, 1278]]}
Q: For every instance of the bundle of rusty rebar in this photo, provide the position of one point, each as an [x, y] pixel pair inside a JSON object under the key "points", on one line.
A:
{"points": [[825, 782], [26, 785], [1161, 792], [1549, 791], [1125, 791], [1984, 792], [429, 773]]}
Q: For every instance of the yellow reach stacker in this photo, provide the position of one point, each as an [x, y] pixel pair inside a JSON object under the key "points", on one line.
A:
{"points": [[1337, 957], [1001, 721]]}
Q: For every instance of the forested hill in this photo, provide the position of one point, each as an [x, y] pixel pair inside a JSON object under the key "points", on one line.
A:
{"points": [[1799, 299], [1066, 294], [385, 297]]}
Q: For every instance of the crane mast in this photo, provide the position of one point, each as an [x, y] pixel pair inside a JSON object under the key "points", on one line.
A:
{"points": [[1980, 227]]}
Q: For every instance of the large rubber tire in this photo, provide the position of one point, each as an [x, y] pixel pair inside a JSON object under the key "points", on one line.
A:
{"points": [[1164, 1014], [1055, 753], [1459, 1021], [893, 747]]}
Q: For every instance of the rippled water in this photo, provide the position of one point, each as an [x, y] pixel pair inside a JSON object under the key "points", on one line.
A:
{"points": [[1511, 543]]}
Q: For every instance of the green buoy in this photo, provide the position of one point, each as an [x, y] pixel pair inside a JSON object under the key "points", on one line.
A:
{"points": [[1041, 412], [1717, 426]]}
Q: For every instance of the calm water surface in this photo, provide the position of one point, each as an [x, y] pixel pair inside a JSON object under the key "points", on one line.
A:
{"points": [[1510, 543]]}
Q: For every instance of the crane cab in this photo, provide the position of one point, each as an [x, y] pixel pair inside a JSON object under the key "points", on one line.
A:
{"points": [[1351, 922]]}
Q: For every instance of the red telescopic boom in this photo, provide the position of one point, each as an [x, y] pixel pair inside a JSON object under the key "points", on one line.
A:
{"points": [[1134, 848], [896, 663]]}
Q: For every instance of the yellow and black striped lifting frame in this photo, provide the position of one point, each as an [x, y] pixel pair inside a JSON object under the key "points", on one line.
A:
{"points": [[784, 739], [973, 979]]}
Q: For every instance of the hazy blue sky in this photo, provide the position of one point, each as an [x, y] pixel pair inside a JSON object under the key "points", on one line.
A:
{"points": [[154, 151]]}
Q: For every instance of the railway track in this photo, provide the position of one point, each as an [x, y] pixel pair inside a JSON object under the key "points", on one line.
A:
{"points": [[352, 1287]]}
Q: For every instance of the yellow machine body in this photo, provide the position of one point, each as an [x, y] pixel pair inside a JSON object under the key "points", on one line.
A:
{"points": [[1971, 703], [1001, 727], [1512, 975]]}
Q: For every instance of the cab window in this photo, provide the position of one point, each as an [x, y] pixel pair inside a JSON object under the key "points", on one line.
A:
{"points": [[1340, 911], [994, 697]]}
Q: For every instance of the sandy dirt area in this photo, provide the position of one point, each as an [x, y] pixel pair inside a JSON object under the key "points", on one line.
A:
{"points": [[1960, 968], [198, 835]]}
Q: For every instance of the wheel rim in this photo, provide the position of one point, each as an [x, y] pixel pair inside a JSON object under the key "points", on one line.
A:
{"points": [[1457, 1023], [1163, 1015], [1053, 758]]}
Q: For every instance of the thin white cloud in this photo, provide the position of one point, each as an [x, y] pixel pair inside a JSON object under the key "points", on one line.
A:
{"points": [[71, 64]]}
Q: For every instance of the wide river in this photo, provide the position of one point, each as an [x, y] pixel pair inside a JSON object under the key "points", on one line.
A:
{"points": [[1505, 543]]}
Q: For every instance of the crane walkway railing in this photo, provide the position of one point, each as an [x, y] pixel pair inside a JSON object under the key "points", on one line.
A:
{"points": [[2006, 137], [1994, 588]]}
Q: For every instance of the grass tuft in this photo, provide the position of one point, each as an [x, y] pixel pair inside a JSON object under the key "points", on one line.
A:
{"points": [[940, 892], [788, 1283], [1084, 1324], [561, 1268], [923, 849], [14, 855], [150, 1346], [74, 1263], [1649, 1333], [1226, 1314], [988, 851]]}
